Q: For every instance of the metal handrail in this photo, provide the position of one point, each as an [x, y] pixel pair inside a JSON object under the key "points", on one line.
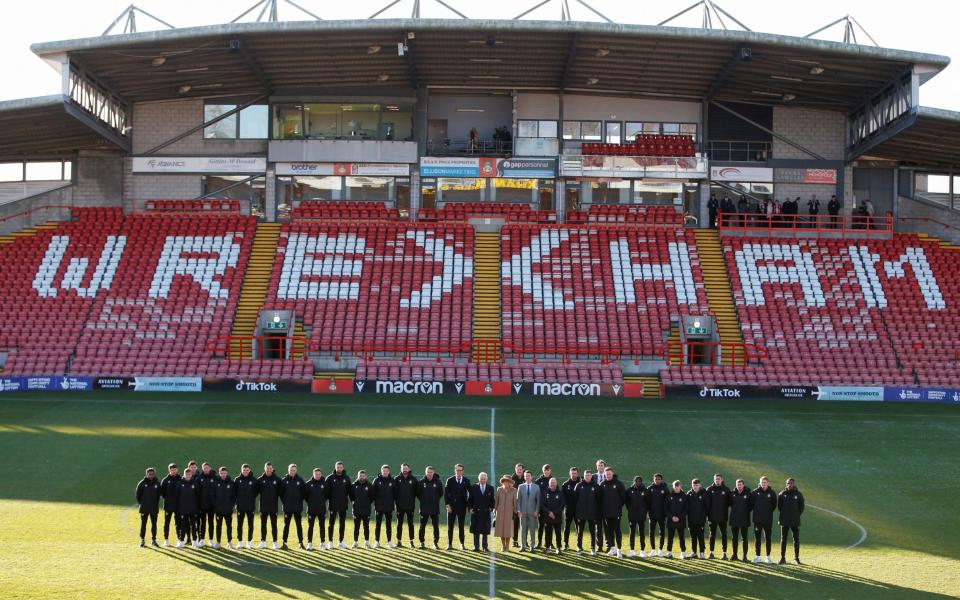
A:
{"points": [[229, 348], [818, 224], [750, 353]]}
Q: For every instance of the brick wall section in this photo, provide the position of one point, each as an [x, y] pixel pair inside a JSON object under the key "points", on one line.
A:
{"points": [[157, 122], [818, 130]]}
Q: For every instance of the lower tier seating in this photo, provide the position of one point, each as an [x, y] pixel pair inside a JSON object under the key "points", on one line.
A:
{"points": [[541, 373]]}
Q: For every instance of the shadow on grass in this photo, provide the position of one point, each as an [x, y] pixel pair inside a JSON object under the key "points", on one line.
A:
{"points": [[423, 572]]}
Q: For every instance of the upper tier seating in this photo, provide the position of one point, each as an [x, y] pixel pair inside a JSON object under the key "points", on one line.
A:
{"points": [[645, 145], [346, 211], [385, 285], [513, 211], [208, 205], [628, 213], [596, 288], [843, 312], [48, 285]]}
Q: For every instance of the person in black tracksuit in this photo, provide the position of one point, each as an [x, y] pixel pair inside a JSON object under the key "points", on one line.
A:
{"points": [[587, 510], [338, 497], [292, 491], [482, 499], [790, 503], [698, 507], [224, 502], [552, 502], [456, 496], [543, 482], [247, 489], [384, 499], [764, 504], [406, 495], [207, 479], [638, 507], [719, 511], [361, 493], [517, 477], [268, 486], [188, 509], [741, 503], [658, 513], [148, 499], [316, 495], [676, 510], [168, 489], [612, 498], [570, 502], [429, 493]]}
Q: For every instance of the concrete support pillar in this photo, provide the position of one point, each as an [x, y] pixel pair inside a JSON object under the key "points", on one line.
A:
{"points": [[560, 200], [704, 213], [270, 195]]}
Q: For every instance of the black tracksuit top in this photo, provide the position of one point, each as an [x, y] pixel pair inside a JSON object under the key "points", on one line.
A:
{"points": [[406, 492], [613, 496], [208, 489], [148, 496], [384, 497], [588, 500], [764, 505], [269, 488], [338, 491], [361, 492], [552, 501], [292, 492], [638, 503], [188, 497], [790, 504], [169, 488], [698, 507], [741, 503], [570, 496], [247, 489], [719, 503], [224, 496], [658, 501], [316, 494], [429, 492], [676, 506]]}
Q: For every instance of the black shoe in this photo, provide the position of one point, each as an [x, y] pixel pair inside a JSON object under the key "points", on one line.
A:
{"points": [[475, 549], [423, 546], [734, 557], [744, 559], [155, 544], [399, 544], [797, 561], [783, 561], [301, 546], [284, 546], [142, 543]]}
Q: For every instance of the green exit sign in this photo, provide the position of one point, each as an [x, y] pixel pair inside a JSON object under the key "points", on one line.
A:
{"points": [[696, 331], [276, 325]]}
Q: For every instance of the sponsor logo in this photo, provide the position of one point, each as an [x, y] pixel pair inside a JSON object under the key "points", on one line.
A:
{"points": [[956, 396], [458, 386], [111, 383], [255, 386], [38, 383], [566, 389], [616, 389], [409, 387], [167, 384], [719, 393], [517, 387], [360, 385], [906, 394]]}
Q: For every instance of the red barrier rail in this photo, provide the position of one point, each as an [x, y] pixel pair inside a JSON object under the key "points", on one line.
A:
{"points": [[741, 353], [820, 225], [30, 211], [239, 347]]}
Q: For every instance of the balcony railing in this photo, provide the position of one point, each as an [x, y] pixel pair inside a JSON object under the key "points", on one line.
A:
{"points": [[664, 167], [739, 151], [451, 147]]}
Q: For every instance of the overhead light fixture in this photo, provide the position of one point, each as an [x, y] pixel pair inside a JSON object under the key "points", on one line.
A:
{"points": [[486, 60], [184, 89], [601, 52], [474, 110], [486, 42], [484, 76], [373, 49], [762, 93], [393, 107], [789, 97], [786, 78], [158, 61], [383, 77], [401, 48], [592, 81], [207, 86], [193, 70], [816, 70]]}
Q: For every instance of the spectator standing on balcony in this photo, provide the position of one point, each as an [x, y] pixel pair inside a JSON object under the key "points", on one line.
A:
{"points": [[743, 207], [474, 135], [727, 207], [813, 209], [833, 207], [712, 206], [868, 212]]}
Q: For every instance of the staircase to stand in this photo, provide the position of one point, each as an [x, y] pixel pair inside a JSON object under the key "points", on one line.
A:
{"points": [[719, 293], [254, 289], [486, 294]]}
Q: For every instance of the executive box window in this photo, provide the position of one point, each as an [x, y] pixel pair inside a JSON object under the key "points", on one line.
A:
{"points": [[588, 131], [536, 192], [293, 190], [337, 121], [250, 123], [36, 171], [528, 128], [237, 187], [632, 128]]}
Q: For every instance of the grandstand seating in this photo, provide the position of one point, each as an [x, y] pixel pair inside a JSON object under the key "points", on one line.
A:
{"points": [[541, 373], [824, 318], [628, 213], [594, 289], [461, 211], [383, 285], [346, 211], [645, 145], [208, 206]]}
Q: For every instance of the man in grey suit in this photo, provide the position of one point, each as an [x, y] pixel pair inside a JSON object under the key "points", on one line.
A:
{"points": [[528, 509]]}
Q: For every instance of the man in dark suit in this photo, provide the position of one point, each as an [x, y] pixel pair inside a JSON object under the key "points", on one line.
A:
{"points": [[455, 495], [543, 482], [429, 492], [482, 500]]}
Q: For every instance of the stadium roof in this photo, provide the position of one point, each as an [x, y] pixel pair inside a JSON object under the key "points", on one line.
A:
{"points": [[43, 127], [487, 55], [932, 140]]}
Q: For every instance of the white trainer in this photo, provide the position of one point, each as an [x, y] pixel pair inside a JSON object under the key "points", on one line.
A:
{"points": [[214, 545], [375, 545], [642, 554], [309, 546], [390, 545], [367, 545], [262, 545], [275, 546], [593, 552], [619, 554], [166, 544], [249, 545], [342, 546], [757, 560], [200, 544], [769, 562], [631, 554], [353, 545], [682, 557], [179, 544], [670, 554], [557, 551], [703, 556]]}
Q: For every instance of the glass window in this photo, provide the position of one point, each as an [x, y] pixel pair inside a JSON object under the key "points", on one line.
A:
{"points": [[254, 122], [225, 129], [396, 123], [11, 171], [323, 121], [613, 129], [631, 129], [590, 131], [651, 128], [460, 189], [67, 170], [527, 129], [571, 130], [378, 189], [671, 128], [228, 187], [688, 129], [514, 190], [360, 121], [608, 192], [288, 122], [44, 171], [548, 129], [651, 191]]}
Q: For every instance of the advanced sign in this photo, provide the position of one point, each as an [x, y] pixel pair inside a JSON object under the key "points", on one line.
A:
{"points": [[200, 164]]}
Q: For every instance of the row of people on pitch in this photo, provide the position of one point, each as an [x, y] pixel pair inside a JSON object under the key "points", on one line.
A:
{"points": [[594, 504]]}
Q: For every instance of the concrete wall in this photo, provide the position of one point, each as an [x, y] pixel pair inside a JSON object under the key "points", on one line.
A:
{"points": [[919, 209], [538, 106], [585, 107], [820, 131]]}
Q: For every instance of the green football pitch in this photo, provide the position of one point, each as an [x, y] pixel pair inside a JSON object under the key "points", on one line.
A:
{"points": [[881, 481]]}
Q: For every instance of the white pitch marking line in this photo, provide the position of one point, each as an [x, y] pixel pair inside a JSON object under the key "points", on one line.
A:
{"points": [[492, 584], [863, 530]]}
